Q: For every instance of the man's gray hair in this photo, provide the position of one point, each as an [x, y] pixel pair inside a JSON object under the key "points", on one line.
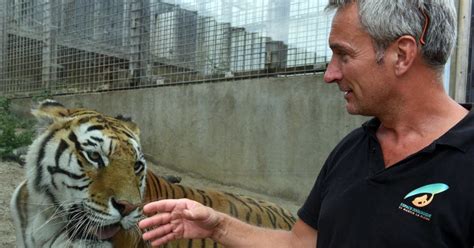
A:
{"points": [[387, 20]]}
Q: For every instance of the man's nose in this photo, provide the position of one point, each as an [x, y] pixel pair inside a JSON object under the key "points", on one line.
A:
{"points": [[333, 72]]}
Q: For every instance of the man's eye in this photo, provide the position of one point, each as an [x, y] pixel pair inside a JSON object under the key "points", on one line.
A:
{"points": [[344, 58], [341, 54]]}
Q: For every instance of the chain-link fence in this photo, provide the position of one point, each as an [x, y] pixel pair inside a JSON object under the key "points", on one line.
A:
{"points": [[72, 46]]}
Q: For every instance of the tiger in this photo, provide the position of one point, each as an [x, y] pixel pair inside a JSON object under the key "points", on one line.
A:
{"points": [[87, 181]]}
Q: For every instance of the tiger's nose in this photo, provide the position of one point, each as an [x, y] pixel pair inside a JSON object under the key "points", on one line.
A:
{"points": [[123, 207]]}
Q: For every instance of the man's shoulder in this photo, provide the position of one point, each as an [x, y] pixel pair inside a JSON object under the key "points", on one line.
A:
{"points": [[367, 129], [355, 134], [353, 141]]}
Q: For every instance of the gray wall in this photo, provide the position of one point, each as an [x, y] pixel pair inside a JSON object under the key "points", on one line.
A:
{"points": [[267, 135]]}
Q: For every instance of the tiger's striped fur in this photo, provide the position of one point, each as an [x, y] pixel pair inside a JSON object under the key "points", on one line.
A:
{"points": [[248, 209], [87, 178]]}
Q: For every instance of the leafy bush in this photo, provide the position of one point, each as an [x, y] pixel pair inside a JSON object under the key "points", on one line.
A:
{"points": [[14, 132]]}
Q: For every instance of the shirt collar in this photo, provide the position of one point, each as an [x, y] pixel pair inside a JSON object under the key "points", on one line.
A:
{"points": [[460, 136]]}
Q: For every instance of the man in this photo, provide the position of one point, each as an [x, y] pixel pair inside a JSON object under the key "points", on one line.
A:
{"points": [[405, 178]]}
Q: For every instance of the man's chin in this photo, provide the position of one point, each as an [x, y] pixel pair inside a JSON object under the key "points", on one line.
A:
{"points": [[352, 110]]}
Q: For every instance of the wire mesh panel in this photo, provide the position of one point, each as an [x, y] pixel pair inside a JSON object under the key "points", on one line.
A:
{"points": [[72, 46]]}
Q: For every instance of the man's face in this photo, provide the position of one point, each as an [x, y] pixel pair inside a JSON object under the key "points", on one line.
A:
{"points": [[353, 66]]}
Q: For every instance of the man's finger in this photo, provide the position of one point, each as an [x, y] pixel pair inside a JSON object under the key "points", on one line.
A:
{"points": [[158, 233], [155, 220], [159, 206], [163, 240], [167, 205]]}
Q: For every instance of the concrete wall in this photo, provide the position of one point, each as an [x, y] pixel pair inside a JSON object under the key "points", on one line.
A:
{"points": [[267, 135]]}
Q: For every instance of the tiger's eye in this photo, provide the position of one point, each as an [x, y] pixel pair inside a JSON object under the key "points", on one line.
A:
{"points": [[94, 156], [138, 165]]}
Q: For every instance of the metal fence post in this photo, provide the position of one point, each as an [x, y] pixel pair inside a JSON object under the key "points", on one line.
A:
{"points": [[3, 42], [139, 41], [49, 58]]}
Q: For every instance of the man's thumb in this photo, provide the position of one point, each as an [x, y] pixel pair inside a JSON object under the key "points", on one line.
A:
{"points": [[200, 213]]}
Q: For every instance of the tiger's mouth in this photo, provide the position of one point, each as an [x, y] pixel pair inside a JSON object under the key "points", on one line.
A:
{"points": [[106, 232], [96, 233], [80, 226]]}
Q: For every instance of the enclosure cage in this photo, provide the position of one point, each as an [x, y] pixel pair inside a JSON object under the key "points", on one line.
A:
{"points": [[74, 46]]}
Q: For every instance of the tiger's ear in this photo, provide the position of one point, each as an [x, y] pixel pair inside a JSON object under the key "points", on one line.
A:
{"points": [[127, 121], [48, 112], [134, 127]]}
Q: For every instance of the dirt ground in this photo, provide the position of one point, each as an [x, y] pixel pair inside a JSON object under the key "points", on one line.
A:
{"points": [[11, 174]]}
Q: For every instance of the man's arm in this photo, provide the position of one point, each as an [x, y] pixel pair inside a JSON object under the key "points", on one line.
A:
{"points": [[232, 232], [185, 219]]}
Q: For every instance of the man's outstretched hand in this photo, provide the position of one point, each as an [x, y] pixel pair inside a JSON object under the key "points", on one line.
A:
{"points": [[177, 219]]}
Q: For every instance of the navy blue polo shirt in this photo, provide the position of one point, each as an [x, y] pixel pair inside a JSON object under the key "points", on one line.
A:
{"points": [[425, 200]]}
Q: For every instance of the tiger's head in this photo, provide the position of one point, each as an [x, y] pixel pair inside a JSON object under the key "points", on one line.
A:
{"points": [[90, 169]]}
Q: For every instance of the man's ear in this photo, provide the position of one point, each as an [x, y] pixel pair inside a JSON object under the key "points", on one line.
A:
{"points": [[406, 50]]}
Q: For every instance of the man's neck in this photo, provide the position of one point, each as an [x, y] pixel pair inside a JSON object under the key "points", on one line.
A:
{"points": [[413, 125]]}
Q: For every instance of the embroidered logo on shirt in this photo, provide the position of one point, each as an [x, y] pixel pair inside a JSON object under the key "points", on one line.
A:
{"points": [[424, 197]]}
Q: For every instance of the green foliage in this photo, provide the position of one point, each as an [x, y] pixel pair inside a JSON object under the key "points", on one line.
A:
{"points": [[14, 132], [45, 94]]}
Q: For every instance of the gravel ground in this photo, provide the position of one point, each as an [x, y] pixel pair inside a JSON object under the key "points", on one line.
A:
{"points": [[11, 174]]}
